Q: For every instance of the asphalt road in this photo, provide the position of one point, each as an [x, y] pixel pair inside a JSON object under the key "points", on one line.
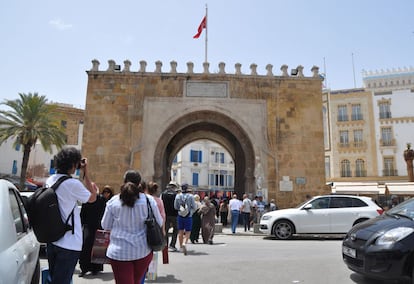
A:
{"points": [[244, 258]]}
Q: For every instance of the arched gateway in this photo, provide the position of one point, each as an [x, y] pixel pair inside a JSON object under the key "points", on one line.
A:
{"points": [[271, 125]]}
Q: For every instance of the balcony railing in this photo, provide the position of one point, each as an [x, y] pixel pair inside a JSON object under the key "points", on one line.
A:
{"points": [[343, 145], [361, 173], [389, 173], [359, 144], [357, 117], [384, 115], [342, 118], [387, 142]]}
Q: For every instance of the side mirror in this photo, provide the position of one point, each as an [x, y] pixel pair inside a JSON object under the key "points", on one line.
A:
{"points": [[307, 206]]}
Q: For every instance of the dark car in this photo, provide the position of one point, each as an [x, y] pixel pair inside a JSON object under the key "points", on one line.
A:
{"points": [[383, 247]]}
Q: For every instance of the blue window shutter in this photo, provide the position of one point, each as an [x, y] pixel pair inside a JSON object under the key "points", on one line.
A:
{"points": [[200, 155], [52, 168], [195, 179], [14, 168]]}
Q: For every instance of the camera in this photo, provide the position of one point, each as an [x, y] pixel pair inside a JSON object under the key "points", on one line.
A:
{"points": [[82, 163]]}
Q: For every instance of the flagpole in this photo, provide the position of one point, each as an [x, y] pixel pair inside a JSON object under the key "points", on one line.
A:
{"points": [[205, 49], [353, 69]]}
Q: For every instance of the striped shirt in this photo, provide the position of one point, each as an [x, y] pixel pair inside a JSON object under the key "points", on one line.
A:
{"points": [[128, 239]]}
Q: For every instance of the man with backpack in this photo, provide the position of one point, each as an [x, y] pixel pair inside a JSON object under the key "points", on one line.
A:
{"points": [[185, 204], [63, 254], [168, 197]]}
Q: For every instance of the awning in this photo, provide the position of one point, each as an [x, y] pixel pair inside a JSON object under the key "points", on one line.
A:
{"points": [[406, 188], [358, 189]]}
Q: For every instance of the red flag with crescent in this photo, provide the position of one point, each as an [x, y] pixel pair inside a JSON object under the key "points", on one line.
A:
{"points": [[203, 25]]}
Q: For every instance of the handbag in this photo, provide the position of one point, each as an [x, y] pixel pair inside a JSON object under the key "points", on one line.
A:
{"points": [[155, 237], [100, 245]]}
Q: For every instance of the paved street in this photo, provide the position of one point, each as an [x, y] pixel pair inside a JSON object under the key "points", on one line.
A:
{"points": [[249, 258]]}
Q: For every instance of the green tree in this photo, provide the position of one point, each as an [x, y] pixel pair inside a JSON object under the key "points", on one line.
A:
{"points": [[30, 119]]}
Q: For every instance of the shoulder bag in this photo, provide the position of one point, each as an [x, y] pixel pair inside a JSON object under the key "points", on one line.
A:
{"points": [[155, 237], [100, 245]]}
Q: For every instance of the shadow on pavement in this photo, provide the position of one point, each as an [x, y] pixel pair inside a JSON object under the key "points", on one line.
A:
{"points": [[310, 238], [103, 276], [358, 278], [165, 279]]}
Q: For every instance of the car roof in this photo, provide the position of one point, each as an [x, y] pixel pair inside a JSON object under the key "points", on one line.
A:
{"points": [[343, 195]]}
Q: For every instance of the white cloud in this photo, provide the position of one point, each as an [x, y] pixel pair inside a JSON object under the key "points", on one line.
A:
{"points": [[59, 24]]}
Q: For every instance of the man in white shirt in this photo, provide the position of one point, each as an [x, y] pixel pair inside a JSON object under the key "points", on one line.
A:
{"points": [[64, 253], [234, 206]]}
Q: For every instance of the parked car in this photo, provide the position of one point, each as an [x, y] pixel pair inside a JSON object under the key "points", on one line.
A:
{"points": [[19, 248], [327, 214], [383, 247], [16, 182]]}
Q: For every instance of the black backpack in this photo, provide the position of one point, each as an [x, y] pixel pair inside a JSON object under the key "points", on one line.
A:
{"points": [[44, 214]]}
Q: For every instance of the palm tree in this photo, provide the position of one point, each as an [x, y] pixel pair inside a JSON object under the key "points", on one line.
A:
{"points": [[31, 118]]}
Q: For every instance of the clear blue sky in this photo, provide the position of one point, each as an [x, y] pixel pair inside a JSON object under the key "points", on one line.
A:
{"points": [[47, 45]]}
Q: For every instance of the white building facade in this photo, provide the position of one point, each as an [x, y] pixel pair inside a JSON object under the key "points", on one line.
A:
{"points": [[393, 104], [204, 165]]}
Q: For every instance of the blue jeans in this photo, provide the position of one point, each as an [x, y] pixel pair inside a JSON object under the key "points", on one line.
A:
{"points": [[246, 220], [234, 220], [62, 263]]}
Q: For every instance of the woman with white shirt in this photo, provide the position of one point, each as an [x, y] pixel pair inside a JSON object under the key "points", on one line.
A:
{"points": [[124, 216]]}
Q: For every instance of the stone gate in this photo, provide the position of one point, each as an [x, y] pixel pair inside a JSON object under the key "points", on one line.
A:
{"points": [[270, 124]]}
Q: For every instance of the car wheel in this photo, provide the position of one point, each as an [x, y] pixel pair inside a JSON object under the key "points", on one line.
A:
{"points": [[36, 274], [283, 230]]}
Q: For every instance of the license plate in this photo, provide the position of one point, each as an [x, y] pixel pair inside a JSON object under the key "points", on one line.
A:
{"points": [[349, 251]]}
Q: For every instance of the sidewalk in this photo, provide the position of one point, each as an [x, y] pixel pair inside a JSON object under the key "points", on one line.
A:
{"points": [[239, 231]]}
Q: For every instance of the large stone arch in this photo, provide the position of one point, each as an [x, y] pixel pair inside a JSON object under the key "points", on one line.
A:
{"points": [[210, 125]]}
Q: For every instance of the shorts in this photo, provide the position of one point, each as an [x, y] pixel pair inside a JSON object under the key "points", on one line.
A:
{"points": [[184, 223]]}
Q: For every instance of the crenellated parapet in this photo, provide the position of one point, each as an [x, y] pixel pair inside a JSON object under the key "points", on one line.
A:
{"points": [[393, 79], [295, 72]]}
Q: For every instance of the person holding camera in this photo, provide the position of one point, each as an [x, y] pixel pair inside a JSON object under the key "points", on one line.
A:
{"points": [[64, 253]]}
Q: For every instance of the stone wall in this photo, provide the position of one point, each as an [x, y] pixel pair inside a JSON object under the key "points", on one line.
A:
{"points": [[282, 150]]}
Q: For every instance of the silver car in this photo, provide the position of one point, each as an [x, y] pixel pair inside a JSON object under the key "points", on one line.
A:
{"points": [[19, 248], [327, 214]]}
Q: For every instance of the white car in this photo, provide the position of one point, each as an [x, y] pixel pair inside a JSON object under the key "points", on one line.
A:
{"points": [[19, 248], [328, 214]]}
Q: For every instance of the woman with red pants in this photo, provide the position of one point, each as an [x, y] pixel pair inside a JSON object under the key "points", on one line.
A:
{"points": [[124, 216]]}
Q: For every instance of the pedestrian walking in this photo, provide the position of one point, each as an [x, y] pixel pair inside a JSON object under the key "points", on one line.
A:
{"points": [[168, 197], [245, 211], [235, 206], [125, 216], [224, 212], [186, 206], [208, 221], [196, 226], [91, 215]]}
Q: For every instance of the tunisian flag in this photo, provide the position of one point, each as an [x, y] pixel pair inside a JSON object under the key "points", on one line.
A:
{"points": [[203, 25]]}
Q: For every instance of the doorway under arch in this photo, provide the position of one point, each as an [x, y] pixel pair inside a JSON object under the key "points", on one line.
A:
{"points": [[213, 126]]}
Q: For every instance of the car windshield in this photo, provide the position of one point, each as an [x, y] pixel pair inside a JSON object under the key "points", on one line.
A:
{"points": [[403, 209]]}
